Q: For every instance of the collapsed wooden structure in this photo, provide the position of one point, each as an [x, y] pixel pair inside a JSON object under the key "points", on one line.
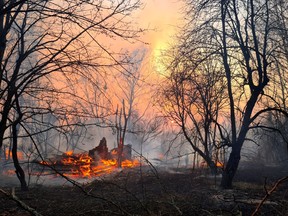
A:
{"points": [[96, 161]]}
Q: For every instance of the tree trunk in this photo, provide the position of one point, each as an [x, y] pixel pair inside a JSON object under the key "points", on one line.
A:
{"points": [[19, 171], [212, 166], [230, 169], [120, 152]]}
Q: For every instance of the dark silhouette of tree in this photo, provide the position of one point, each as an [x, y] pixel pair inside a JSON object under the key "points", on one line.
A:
{"points": [[46, 48], [192, 97], [244, 37]]}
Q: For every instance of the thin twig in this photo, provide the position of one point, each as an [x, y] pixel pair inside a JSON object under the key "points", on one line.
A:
{"points": [[268, 193]]}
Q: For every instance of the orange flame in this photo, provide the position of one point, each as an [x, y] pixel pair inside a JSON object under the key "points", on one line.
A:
{"points": [[69, 153], [82, 165], [219, 164], [129, 164], [8, 154], [114, 152], [112, 162]]}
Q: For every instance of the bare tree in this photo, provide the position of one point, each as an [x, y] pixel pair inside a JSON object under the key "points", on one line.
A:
{"points": [[46, 46], [192, 98], [243, 34], [273, 139], [129, 89]]}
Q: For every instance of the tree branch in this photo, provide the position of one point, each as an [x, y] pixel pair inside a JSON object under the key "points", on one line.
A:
{"points": [[268, 193], [24, 206]]}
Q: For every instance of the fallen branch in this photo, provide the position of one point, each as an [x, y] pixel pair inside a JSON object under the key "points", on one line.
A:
{"points": [[268, 193], [13, 197]]}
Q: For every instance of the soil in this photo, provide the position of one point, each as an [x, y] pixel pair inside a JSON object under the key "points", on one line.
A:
{"points": [[146, 191]]}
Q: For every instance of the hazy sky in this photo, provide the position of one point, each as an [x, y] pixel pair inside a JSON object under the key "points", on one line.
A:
{"points": [[164, 17]]}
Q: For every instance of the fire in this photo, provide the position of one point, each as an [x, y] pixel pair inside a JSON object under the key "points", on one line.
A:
{"points": [[219, 164], [204, 164], [46, 163], [68, 161], [111, 162], [129, 164], [8, 154], [69, 153], [82, 165], [114, 152]]}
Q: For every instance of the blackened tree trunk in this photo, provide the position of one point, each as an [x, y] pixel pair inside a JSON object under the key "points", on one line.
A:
{"points": [[235, 156], [120, 152], [121, 128], [19, 171], [234, 159], [213, 168], [230, 169], [256, 86], [243, 38]]}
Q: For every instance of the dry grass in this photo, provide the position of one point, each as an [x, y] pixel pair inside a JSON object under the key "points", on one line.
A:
{"points": [[132, 192]]}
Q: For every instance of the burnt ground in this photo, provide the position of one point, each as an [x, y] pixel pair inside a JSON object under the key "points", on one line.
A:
{"points": [[165, 192]]}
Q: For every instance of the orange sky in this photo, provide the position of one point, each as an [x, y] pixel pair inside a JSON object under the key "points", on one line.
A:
{"points": [[164, 17]]}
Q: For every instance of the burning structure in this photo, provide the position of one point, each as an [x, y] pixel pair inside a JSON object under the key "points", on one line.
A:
{"points": [[95, 162]]}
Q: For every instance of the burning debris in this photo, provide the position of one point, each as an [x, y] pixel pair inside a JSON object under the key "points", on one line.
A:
{"points": [[96, 162], [100, 151]]}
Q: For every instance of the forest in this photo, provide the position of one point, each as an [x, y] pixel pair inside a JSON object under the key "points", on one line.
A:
{"points": [[95, 121]]}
